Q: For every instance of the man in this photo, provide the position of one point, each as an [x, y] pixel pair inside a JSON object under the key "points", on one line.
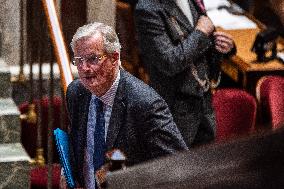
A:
{"points": [[271, 13], [109, 108], [181, 50]]}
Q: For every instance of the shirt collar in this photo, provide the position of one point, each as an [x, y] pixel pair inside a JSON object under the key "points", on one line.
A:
{"points": [[108, 97]]}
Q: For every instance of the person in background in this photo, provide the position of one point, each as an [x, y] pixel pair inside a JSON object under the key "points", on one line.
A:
{"points": [[271, 13], [111, 109], [181, 51], [247, 5], [278, 7]]}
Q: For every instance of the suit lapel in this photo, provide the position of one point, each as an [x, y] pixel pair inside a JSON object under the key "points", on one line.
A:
{"points": [[80, 134], [195, 11], [85, 103], [118, 112], [174, 12], [85, 98]]}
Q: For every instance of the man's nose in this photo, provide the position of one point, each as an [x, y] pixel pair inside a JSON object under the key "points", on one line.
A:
{"points": [[85, 65]]}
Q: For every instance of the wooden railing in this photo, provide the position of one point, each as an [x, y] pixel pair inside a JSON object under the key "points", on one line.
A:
{"points": [[63, 61], [58, 42]]}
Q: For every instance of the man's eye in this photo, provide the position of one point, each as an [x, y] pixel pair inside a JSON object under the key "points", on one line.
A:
{"points": [[92, 59]]}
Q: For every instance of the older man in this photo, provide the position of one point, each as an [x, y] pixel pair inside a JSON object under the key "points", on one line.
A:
{"points": [[109, 108]]}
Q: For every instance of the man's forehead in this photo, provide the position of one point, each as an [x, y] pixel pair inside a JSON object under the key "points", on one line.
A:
{"points": [[94, 38], [94, 42]]}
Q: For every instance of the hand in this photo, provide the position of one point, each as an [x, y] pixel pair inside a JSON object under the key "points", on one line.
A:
{"points": [[62, 183], [205, 25], [223, 42]]}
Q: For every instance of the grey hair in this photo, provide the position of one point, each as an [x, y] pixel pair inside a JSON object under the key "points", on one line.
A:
{"points": [[110, 39]]}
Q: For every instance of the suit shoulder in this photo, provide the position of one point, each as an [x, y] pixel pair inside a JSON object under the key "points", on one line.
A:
{"points": [[75, 88], [140, 91], [148, 5]]}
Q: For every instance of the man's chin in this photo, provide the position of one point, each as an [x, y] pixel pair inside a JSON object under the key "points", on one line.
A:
{"points": [[90, 85], [88, 80]]}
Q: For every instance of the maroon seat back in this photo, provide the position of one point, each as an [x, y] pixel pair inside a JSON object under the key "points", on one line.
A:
{"points": [[29, 131], [276, 102], [262, 91], [235, 112], [38, 177]]}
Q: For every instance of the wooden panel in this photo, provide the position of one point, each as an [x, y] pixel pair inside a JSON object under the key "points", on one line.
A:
{"points": [[246, 59], [73, 15]]}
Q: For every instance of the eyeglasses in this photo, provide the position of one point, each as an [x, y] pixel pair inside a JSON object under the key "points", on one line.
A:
{"points": [[77, 60]]}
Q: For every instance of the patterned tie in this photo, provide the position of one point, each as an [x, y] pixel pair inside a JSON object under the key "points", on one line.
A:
{"points": [[96, 145], [99, 137]]}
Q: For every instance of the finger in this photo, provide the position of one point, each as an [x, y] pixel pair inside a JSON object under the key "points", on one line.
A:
{"points": [[223, 34], [222, 49], [224, 39], [224, 46], [225, 43]]}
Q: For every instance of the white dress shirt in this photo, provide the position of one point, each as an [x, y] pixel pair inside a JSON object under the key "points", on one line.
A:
{"points": [[185, 7]]}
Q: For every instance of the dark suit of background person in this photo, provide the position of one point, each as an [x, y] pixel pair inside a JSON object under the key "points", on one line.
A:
{"points": [[271, 13], [170, 47], [141, 124]]}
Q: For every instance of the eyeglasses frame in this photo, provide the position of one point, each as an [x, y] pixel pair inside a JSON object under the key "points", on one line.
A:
{"points": [[97, 58]]}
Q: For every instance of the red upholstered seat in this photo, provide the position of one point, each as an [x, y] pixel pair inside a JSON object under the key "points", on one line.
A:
{"points": [[38, 177], [276, 102], [235, 113], [262, 90], [29, 131]]}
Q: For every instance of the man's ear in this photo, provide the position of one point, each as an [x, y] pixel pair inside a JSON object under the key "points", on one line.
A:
{"points": [[115, 57]]}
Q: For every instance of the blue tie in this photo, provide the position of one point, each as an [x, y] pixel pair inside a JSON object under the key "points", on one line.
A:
{"points": [[99, 136], [96, 145]]}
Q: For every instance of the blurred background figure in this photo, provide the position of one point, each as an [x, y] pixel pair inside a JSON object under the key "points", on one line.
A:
{"points": [[269, 12]]}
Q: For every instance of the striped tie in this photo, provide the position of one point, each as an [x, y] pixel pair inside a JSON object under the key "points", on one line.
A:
{"points": [[96, 145], [99, 136]]}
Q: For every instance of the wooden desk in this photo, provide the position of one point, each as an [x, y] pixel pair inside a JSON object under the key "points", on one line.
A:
{"points": [[243, 68]]}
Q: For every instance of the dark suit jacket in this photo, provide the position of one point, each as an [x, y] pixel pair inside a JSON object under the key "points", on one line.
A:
{"points": [[141, 124], [169, 44]]}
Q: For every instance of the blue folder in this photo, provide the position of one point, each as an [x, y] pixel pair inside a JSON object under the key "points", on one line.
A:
{"points": [[62, 143]]}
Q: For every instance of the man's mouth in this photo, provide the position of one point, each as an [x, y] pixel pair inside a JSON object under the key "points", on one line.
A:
{"points": [[88, 76]]}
